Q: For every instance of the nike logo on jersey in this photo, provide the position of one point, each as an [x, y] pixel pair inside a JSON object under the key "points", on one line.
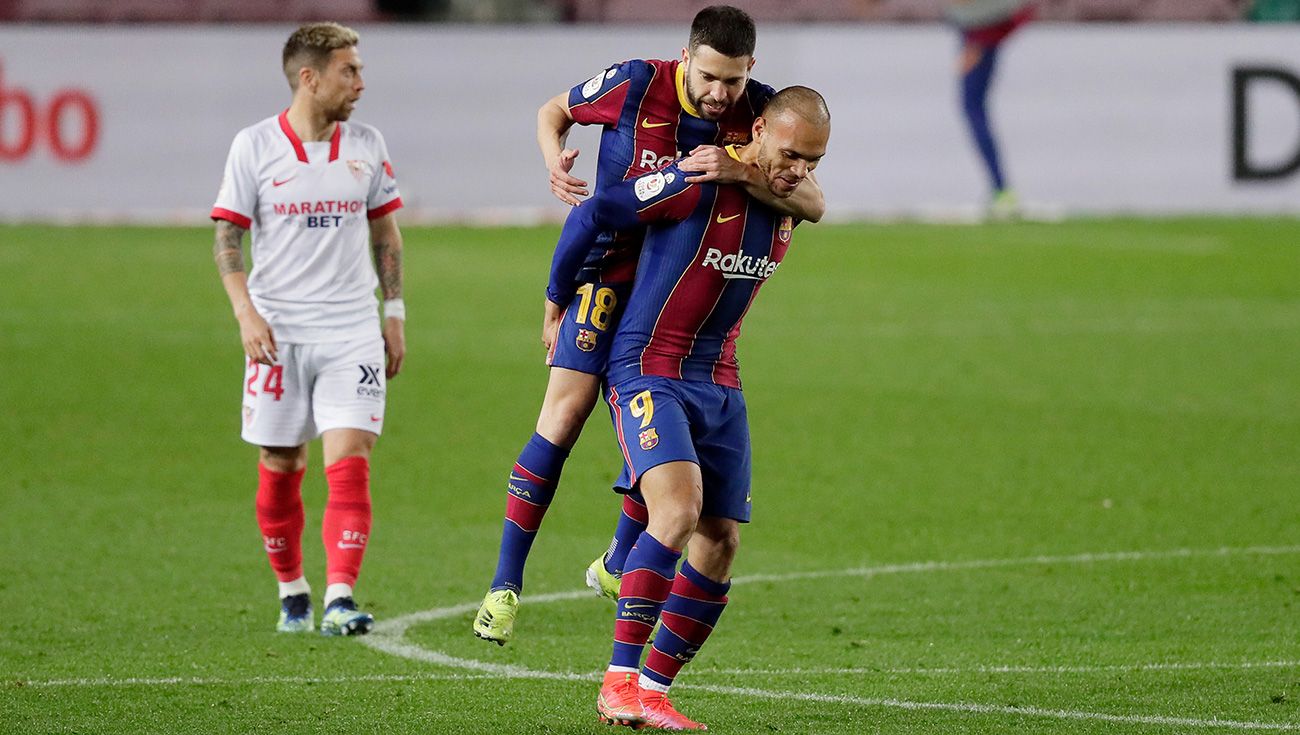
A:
{"points": [[278, 182], [724, 220], [645, 123], [376, 418]]}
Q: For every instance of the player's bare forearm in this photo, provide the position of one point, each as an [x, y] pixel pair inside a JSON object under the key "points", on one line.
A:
{"points": [[806, 203], [553, 123], [386, 246]]}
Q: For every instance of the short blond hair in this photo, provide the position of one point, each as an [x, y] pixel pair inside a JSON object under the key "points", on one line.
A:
{"points": [[311, 45]]}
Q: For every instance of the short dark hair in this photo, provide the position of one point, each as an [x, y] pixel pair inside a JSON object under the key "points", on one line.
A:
{"points": [[311, 45], [802, 101], [725, 29]]}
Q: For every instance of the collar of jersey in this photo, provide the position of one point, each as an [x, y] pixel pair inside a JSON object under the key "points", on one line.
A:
{"points": [[296, 142], [731, 151], [681, 91]]}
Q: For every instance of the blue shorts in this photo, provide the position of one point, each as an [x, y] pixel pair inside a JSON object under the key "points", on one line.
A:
{"points": [[659, 420], [587, 328]]}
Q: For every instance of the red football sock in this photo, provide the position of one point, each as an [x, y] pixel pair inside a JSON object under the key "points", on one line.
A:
{"points": [[279, 515], [346, 526]]}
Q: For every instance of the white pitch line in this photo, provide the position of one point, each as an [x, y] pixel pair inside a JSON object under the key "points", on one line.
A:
{"points": [[1173, 666], [387, 637], [950, 566], [399, 625], [133, 681], [995, 709]]}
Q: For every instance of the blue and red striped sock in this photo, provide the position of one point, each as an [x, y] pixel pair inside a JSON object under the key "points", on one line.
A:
{"points": [[529, 492], [631, 524], [689, 616], [647, 580]]}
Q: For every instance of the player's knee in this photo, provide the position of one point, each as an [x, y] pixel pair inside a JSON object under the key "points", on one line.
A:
{"points": [[674, 525], [283, 459], [721, 540], [727, 545], [340, 444], [561, 421]]}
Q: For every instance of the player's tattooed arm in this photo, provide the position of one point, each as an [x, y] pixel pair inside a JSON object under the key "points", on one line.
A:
{"points": [[386, 246], [256, 335], [228, 248]]}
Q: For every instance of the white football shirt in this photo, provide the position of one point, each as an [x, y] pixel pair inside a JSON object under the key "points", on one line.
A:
{"points": [[308, 207]]}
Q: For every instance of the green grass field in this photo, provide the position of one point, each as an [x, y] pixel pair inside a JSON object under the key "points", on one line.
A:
{"points": [[1021, 478]]}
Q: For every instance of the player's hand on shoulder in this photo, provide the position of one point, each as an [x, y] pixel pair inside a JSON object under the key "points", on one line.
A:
{"points": [[565, 186], [394, 345], [711, 163], [258, 338]]}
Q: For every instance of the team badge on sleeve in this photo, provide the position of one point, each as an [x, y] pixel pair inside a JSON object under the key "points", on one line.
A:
{"points": [[648, 186], [586, 340], [594, 84], [787, 225], [649, 439]]}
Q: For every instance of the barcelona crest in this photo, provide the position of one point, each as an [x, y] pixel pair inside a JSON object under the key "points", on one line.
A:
{"points": [[783, 232], [586, 340], [649, 438]]}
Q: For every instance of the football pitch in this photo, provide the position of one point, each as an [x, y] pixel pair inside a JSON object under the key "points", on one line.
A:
{"points": [[1007, 478]]}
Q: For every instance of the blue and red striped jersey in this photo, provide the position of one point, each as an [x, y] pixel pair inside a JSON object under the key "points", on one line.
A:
{"points": [[648, 122], [708, 249]]}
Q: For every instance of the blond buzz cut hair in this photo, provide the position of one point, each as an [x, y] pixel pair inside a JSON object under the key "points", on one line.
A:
{"points": [[311, 45]]}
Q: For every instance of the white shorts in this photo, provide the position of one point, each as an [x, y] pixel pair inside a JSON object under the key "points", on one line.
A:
{"points": [[314, 388]]}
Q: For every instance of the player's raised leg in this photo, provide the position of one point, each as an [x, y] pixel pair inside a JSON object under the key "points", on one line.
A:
{"points": [[345, 529], [280, 518], [570, 397]]}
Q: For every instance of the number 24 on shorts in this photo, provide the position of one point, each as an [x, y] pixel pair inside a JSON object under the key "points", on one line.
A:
{"points": [[273, 383]]}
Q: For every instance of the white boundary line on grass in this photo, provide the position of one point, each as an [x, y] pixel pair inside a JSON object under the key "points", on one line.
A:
{"points": [[163, 681], [139, 681], [388, 638], [1134, 668]]}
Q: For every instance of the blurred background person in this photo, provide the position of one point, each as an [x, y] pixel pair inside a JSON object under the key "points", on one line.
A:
{"points": [[984, 26]]}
